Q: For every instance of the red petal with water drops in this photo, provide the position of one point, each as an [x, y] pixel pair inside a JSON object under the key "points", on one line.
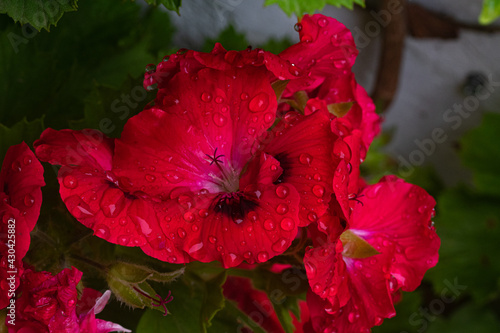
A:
{"points": [[326, 49], [21, 178], [218, 114], [326, 273], [303, 145], [96, 197], [256, 225], [370, 298], [400, 214]]}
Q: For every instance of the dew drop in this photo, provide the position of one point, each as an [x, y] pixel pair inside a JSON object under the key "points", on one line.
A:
{"points": [[342, 150], [306, 39], [373, 192], [259, 102], [29, 200], [112, 202], [244, 96], [282, 191], [123, 240], [269, 225], [206, 97], [219, 99], [251, 131], [282, 209], [352, 317], [322, 22], [262, 256], [27, 160], [422, 209], [70, 182], [280, 245], [318, 191], [150, 68], [123, 221], [287, 224], [305, 159], [340, 63], [189, 217], [219, 119], [102, 231], [150, 178], [173, 177], [203, 213], [212, 239], [181, 232], [317, 288], [297, 27], [294, 70]]}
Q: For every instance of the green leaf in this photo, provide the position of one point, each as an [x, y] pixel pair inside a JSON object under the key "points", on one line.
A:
{"points": [[340, 109], [490, 11], [469, 228], [405, 311], [136, 274], [355, 246], [276, 45], [230, 40], [231, 319], [481, 153], [213, 300], [300, 7], [469, 318], [27, 131], [169, 4], [39, 13], [104, 42]]}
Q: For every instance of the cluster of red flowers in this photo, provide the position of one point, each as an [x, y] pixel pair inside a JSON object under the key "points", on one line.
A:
{"points": [[241, 153]]}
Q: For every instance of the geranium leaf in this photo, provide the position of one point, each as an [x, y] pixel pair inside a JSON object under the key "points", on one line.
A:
{"points": [[300, 7], [469, 227], [169, 4], [39, 13], [339, 109], [213, 300], [490, 11], [27, 131], [481, 153], [230, 40]]}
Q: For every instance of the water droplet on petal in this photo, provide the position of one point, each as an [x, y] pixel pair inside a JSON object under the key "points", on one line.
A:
{"points": [[219, 99], [318, 191], [244, 96], [282, 191], [294, 70], [269, 225], [102, 231], [306, 39], [173, 177], [342, 150], [322, 22], [112, 202], [29, 200], [189, 217], [317, 288], [206, 97], [212, 239], [150, 68], [280, 245], [150, 178], [305, 159], [262, 256], [27, 160], [219, 119], [287, 224], [373, 191], [312, 216], [181, 232], [422, 209], [297, 27], [340, 63], [259, 102], [352, 317], [282, 209], [70, 182], [123, 240]]}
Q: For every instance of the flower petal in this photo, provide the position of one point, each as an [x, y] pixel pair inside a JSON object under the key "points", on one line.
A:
{"points": [[400, 214], [303, 145]]}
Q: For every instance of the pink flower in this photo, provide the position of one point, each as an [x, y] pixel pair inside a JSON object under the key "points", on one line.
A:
{"points": [[50, 304], [21, 179]]}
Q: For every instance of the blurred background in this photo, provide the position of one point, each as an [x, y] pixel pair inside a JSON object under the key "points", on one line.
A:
{"points": [[431, 67]]}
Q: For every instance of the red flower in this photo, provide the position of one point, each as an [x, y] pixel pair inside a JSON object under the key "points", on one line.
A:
{"points": [[353, 290], [326, 52], [199, 176], [49, 304], [21, 179]]}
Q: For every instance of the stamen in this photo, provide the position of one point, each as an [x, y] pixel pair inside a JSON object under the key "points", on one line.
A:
{"points": [[161, 302], [215, 159], [354, 196]]}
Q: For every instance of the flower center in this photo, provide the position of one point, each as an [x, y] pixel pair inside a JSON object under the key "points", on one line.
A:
{"points": [[229, 179]]}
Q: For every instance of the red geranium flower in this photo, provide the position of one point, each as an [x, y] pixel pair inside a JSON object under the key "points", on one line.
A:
{"points": [[21, 179], [200, 175], [50, 304], [352, 287]]}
